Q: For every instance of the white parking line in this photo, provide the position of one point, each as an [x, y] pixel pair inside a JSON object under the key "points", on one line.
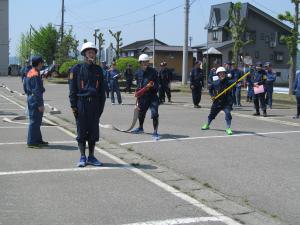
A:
{"points": [[177, 221], [159, 183], [58, 170], [23, 127], [209, 137], [24, 143], [22, 107]]}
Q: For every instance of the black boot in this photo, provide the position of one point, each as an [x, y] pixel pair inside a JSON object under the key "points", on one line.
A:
{"points": [[265, 113]]}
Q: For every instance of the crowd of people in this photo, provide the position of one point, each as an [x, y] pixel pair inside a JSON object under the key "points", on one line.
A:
{"points": [[90, 85]]}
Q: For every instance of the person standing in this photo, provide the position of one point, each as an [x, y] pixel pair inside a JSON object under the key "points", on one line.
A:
{"points": [[147, 79], [164, 80], [113, 77], [129, 78], [271, 78], [196, 83], [87, 100], [34, 90], [237, 74], [258, 79], [106, 81], [297, 93]]}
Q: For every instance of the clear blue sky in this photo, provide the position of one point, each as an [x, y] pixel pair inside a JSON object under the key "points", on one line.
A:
{"points": [[132, 17]]}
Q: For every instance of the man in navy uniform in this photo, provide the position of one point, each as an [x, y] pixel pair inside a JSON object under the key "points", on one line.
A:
{"points": [[87, 98], [224, 103], [164, 79], [147, 78], [196, 83], [259, 77], [34, 89], [113, 77], [271, 78]]}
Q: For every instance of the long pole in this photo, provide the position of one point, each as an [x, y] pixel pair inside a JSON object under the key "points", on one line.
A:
{"points": [[30, 43], [207, 59], [185, 45], [62, 20], [153, 41]]}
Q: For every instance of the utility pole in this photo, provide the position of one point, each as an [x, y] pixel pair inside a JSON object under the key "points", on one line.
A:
{"points": [[30, 42], [62, 20], [185, 44], [100, 42], [95, 35], [190, 39], [153, 41]]}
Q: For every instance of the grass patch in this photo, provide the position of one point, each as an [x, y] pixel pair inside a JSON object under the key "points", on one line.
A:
{"points": [[58, 80]]}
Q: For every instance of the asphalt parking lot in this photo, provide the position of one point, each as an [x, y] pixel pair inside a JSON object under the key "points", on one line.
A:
{"points": [[253, 174]]}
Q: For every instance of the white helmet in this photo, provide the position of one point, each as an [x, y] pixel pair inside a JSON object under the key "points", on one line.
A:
{"points": [[220, 69], [88, 45], [144, 57]]}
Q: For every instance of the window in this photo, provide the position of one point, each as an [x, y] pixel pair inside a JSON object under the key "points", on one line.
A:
{"points": [[131, 53], [280, 41], [262, 36], [250, 35], [215, 35], [257, 54], [279, 57], [278, 74], [271, 56], [267, 39]]}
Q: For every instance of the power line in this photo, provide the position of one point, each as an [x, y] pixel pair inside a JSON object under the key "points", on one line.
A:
{"points": [[124, 14], [263, 6]]}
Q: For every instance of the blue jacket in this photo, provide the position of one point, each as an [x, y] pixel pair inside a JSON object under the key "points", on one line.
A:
{"points": [[196, 78], [297, 84], [237, 74], [217, 87], [259, 77], [34, 87], [86, 80], [112, 73], [144, 77], [271, 78]]}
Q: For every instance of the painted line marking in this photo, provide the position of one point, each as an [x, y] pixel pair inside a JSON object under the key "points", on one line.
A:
{"points": [[209, 137], [22, 107], [24, 127], [25, 143], [58, 170], [159, 183], [177, 221]]}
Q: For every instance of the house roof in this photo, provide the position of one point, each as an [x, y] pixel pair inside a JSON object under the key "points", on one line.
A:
{"points": [[219, 15], [212, 51], [167, 48], [139, 44]]}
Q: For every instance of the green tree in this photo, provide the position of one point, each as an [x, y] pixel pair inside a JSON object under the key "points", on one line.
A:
{"points": [[101, 42], [123, 62], [292, 41], [118, 39], [44, 42], [237, 28], [24, 48], [67, 49]]}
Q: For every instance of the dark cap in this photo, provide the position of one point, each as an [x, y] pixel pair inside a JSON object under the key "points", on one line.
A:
{"points": [[36, 60]]}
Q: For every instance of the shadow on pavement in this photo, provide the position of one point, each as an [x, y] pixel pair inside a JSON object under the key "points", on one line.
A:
{"points": [[61, 147]]}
